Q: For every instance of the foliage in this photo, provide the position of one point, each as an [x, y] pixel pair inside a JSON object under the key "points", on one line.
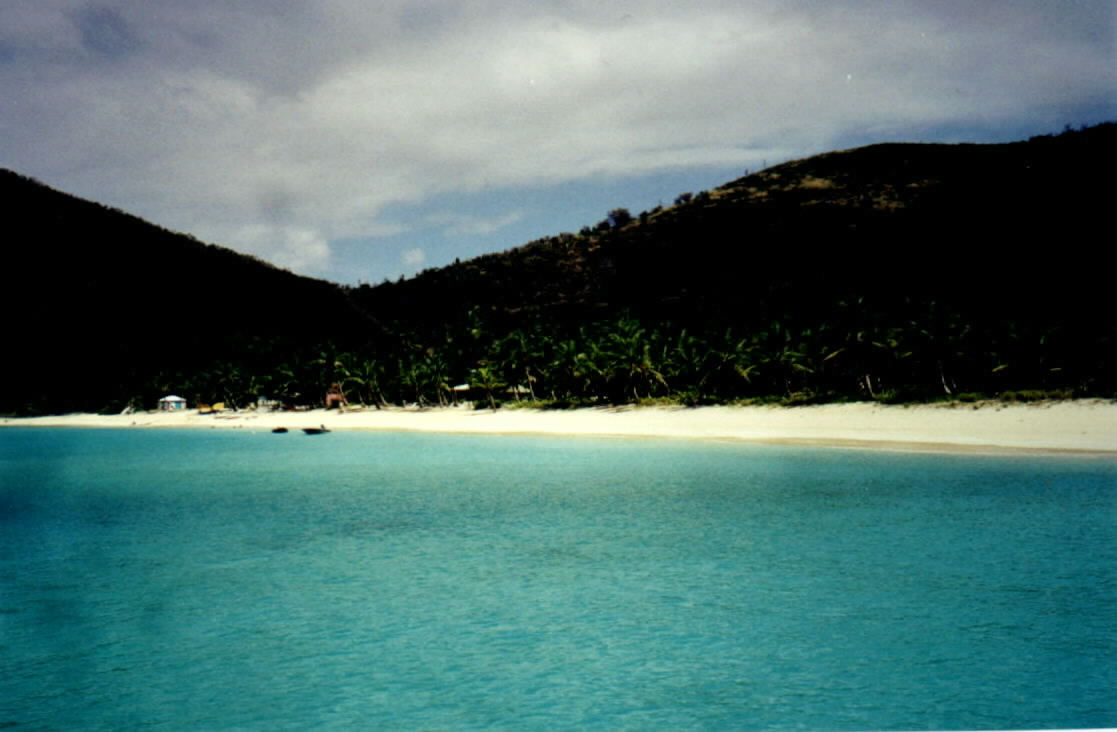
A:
{"points": [[900, 279]]}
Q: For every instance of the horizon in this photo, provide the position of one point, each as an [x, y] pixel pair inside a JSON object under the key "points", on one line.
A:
{"points": [[357, 147]]}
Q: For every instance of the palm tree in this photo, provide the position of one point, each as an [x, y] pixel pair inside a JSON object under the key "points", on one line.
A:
{"points": [[486, 379], [433, 375], [731, 362], [685, 367], [628, 357], [330, 367], [518, 355], [366, 375], [573, 370]]}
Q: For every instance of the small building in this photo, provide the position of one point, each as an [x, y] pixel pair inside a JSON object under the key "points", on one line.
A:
{"points": [[171, 403]]}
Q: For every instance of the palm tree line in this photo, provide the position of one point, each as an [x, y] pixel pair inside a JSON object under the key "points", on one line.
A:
{"points": [[854, 353]]}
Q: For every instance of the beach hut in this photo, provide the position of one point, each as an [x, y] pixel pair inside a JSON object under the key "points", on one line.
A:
{"points": [[461, 391], [171, 403]]}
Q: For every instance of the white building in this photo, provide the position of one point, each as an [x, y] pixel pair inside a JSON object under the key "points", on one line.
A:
{"points": [[172, 403]]}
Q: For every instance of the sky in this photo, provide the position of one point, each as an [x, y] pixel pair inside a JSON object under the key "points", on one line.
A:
{"points": [[359, 142]]}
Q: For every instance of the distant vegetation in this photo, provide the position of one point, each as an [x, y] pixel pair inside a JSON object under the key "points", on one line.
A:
{"points": [[894, 272], [103, 310]]}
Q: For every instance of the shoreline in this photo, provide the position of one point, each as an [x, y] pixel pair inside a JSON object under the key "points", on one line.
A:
{"points": [[1071, 427]]}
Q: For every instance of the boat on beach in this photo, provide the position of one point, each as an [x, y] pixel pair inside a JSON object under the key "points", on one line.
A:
{"points": [[315, 430]]}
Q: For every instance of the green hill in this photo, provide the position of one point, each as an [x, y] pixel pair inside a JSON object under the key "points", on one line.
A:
{"points": [[904, 270], [893, 272], [102, 308]]}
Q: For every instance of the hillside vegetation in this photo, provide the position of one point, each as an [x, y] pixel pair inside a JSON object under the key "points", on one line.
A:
{"points": [[103, 309], [892, 272], [895, 271]]}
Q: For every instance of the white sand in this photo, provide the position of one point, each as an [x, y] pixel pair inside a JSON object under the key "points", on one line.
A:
{"points": [[1087, 425]]}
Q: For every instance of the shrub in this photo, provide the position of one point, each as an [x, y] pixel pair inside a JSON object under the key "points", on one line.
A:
{"points": [[1035, 395]]}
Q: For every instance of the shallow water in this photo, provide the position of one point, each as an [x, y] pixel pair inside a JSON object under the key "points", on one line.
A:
{"points": [[231, 579]]}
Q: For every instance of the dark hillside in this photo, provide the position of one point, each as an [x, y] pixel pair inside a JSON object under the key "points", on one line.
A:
{"points": [[904, 217], [100, 306], [1000, 243], [892, 272]]}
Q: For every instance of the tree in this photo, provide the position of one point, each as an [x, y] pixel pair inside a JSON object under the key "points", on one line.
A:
{"points": [[619, 217], [518, 357], [485, 378], [629, 362], [366, 375]]}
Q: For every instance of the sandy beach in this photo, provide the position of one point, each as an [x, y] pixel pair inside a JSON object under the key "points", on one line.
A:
{"points": [[1087, 425]]}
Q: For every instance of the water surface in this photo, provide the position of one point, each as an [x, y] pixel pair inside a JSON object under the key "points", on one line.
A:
{"points": [[233, 579]]}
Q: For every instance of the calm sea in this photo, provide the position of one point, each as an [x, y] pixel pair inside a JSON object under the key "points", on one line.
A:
{"points": [[232, 579]]}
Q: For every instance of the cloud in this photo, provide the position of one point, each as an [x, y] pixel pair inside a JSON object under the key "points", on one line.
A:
{"points": [[105, 32], [277, 127], [413, 258], [458, 224], [288, 246]]}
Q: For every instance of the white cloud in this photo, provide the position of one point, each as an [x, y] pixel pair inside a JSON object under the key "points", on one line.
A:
{"points": [[413, 258], [288, 246], [458, 224], [278, 127]]}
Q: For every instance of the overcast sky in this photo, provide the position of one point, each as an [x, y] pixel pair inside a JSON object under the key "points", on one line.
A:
{"points": [[359, 141]]}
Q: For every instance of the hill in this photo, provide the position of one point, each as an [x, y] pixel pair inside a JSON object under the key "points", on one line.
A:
{"points": [[909, 270], [103, 308], [908, 213], [892, 272]]}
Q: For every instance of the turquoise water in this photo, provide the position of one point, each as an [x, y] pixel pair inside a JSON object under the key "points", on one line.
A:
{"points": [[230, 579]]}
